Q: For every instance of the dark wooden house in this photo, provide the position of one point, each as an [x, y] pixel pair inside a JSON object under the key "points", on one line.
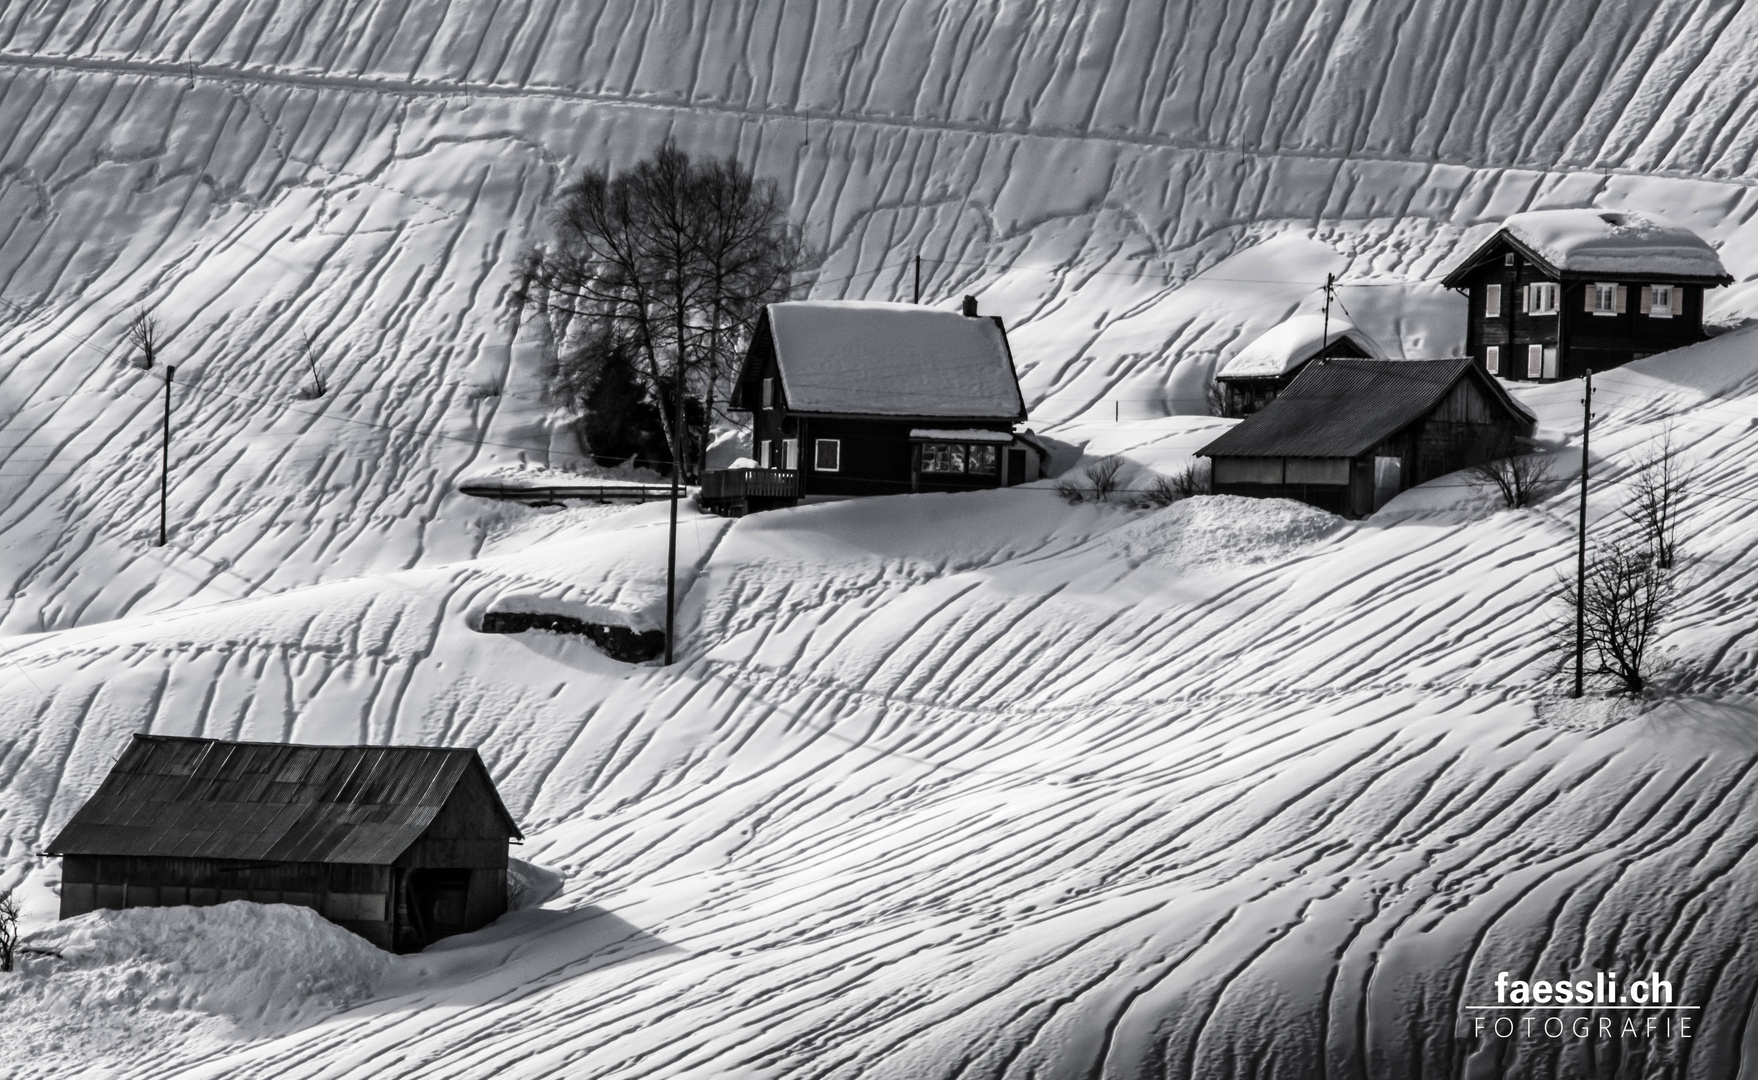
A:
{"points": [[1347, 435], [862, 398], [1265, 367], [401, 844], [1556, 293]]}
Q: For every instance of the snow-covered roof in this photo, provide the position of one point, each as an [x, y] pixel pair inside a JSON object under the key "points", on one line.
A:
{"points": [[866, 357], [1588, 241], [961, 435], [1292, 342]]}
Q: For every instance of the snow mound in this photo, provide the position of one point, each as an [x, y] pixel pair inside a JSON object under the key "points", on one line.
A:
{"points": [[1213, 533], [126, 980]]}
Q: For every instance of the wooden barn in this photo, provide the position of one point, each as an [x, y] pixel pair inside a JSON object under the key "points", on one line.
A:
{"points": [[1347, 435], [1265, 367], [1555, 293], [403, 845], [863, 398]]}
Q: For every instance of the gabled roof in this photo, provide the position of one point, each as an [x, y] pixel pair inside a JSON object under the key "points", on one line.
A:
{"points": [[1290, 343], [1615, 243], [275, 802], [1344, 408], [880, 359]]}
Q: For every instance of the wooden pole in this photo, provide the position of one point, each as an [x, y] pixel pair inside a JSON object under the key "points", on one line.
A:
{"points": [[1581, 540], [918, 279], [1325, 336], [165, 457]]}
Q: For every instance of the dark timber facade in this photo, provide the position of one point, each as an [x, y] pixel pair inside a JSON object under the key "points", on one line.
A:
{"points": [[1348, 435], [852, 420], [402, 845], [1532, 319]]}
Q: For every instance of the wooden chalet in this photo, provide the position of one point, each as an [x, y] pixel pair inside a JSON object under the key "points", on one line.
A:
{"points": [[403, 845], [856, 398], [1556, 293], [1264, 368], [1347, 435]]}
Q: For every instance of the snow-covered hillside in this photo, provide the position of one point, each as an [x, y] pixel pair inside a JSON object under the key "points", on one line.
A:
{"points": [[943, 786]]}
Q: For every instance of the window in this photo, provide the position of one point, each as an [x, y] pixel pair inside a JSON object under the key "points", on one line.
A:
{"points": [[983, 459], [939, 457], [1660, 304], [1535, 361], [827, 455], [1492, 359], [769, 393], [1541, 298], [1492, 301], [790, 452], [1603, 299], [1508, 259]]}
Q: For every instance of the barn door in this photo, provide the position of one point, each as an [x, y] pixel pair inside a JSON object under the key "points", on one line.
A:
{"points": [[438, 902]]}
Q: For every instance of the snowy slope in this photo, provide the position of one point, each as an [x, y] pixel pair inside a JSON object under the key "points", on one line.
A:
{"points": [[981, 785], [969, 785]]}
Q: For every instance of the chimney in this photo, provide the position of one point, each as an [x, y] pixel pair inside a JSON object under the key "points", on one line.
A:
{"points": [[970, 307]]}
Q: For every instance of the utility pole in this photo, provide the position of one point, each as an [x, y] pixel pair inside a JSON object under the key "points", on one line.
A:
{"points": [[1581, 541], [918, 279], [677, 470], [1325, 338], [165, 456]]}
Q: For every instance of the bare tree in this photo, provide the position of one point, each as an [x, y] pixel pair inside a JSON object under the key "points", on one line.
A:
{"points": [[1663, 480], [9, 913], [670, 262], [1101, 478], [1193, 479], [146, 336], [1523, 480], [1626, 597], [1215, 398]]}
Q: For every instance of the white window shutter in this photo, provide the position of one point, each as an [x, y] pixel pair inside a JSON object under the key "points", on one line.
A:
{"points": [[1623, 297], [1645, 300], [1492, 301], [1525, 298], [1534, 361], [1589, 295], [1492, 359]]}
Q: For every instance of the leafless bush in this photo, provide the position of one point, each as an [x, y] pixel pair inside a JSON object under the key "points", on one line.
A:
{"points": [[1101, 482], [1521, 481], [146, 336], [1102, 475], [1157, 495], [1193, 479], [1626, 597], [8, 929], [1662, 482]]}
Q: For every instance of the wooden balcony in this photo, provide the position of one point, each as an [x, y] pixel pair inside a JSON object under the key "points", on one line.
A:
{"points": [[737, 492]]}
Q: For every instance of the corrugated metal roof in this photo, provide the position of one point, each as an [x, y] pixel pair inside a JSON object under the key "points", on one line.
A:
{"points": [[277, 802], [1344, 408]]}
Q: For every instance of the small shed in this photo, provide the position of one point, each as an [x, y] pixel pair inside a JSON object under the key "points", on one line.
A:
{"points": [[866, 398], [1556, 293], [403, 845], [1264, 368], [1347, 435]]}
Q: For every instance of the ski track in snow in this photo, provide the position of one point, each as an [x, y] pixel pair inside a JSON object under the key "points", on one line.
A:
{"points": [[943, 786]]}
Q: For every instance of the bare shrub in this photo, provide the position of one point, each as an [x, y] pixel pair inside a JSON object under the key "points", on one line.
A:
{"points": [[1193, 479], [8, 929], [146, 336], [1521, 481], [1157, 495], [1662, 482], [1072, 493], [1102, 475], [1215, 398], [1626, 597]]}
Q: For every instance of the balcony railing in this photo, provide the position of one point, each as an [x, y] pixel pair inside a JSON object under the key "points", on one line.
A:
{"points": [[725, 485]]}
